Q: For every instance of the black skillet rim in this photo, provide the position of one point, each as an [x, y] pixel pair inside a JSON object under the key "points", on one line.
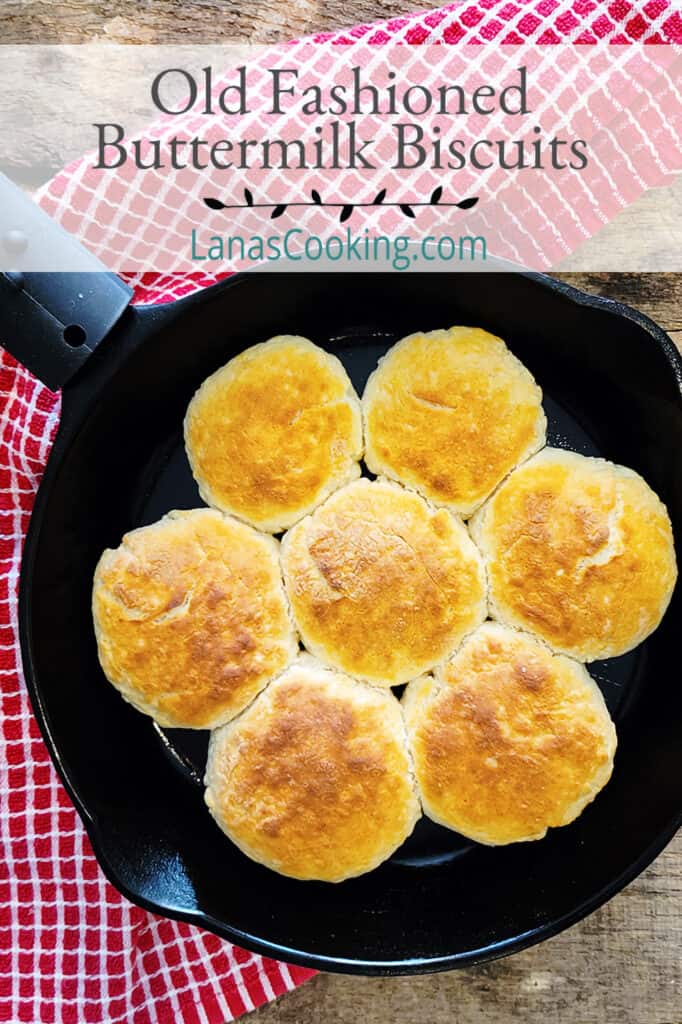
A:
{"points": [[418, 965]]}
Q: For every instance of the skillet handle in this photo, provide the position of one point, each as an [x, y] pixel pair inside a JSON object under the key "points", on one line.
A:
{"points": [[51, 321]]}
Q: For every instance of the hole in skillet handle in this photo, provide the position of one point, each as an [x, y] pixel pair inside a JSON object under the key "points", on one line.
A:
{"points": [[74, 335]]}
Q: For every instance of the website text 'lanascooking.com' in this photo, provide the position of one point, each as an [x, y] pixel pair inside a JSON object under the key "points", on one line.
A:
{"points": [[401, 252]]}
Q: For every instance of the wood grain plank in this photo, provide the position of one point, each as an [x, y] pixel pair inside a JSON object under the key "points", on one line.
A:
{"points": [[659, 296], [189, 21]]}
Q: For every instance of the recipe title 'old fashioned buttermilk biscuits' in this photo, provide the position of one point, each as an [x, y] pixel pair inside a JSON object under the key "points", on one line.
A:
{"points": [[314, 780], [579, 551], [382, 585], [274, 432], [509, 739], [451, 413], [191, 617]]}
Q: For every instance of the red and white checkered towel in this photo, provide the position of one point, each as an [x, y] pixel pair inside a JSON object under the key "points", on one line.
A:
{"points": [[72, 949]]}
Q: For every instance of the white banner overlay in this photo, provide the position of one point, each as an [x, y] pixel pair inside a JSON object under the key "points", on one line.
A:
{"points": [[363, 157]]}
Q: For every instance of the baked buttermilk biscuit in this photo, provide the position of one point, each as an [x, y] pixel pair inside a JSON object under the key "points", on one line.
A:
{"points": [[579, 551], [274, 432], [509, 739], [382, 584], [314, 780], [191, 618], [451, 413]]}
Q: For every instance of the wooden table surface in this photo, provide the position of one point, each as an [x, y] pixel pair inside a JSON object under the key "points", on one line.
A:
{"points": [[623, 964], [187, 21]]}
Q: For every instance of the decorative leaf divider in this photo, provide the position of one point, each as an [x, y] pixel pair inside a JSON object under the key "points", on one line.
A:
{"points": [[346, 208]]}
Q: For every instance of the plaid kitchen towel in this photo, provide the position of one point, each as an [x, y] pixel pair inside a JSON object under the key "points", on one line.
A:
{"points": [[72, 949]]}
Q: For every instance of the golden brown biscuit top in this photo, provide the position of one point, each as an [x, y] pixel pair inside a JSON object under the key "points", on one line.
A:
{"points": [[313, 779], [191, 617], [381, 584], [510, 740], [579, 551], [274, 432], [451, 413]]}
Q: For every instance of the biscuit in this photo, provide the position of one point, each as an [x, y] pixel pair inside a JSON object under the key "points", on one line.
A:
{"points": [[274, 432], [509, 739], [191, 618], [451, 413], [382, 585], [314, 780], [579, 551]]}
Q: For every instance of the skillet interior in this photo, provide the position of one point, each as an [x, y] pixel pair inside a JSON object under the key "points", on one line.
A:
{"points": [[612, 386]]}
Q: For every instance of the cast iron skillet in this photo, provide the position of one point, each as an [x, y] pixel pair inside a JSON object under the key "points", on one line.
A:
{"points": [[612, 381]]}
